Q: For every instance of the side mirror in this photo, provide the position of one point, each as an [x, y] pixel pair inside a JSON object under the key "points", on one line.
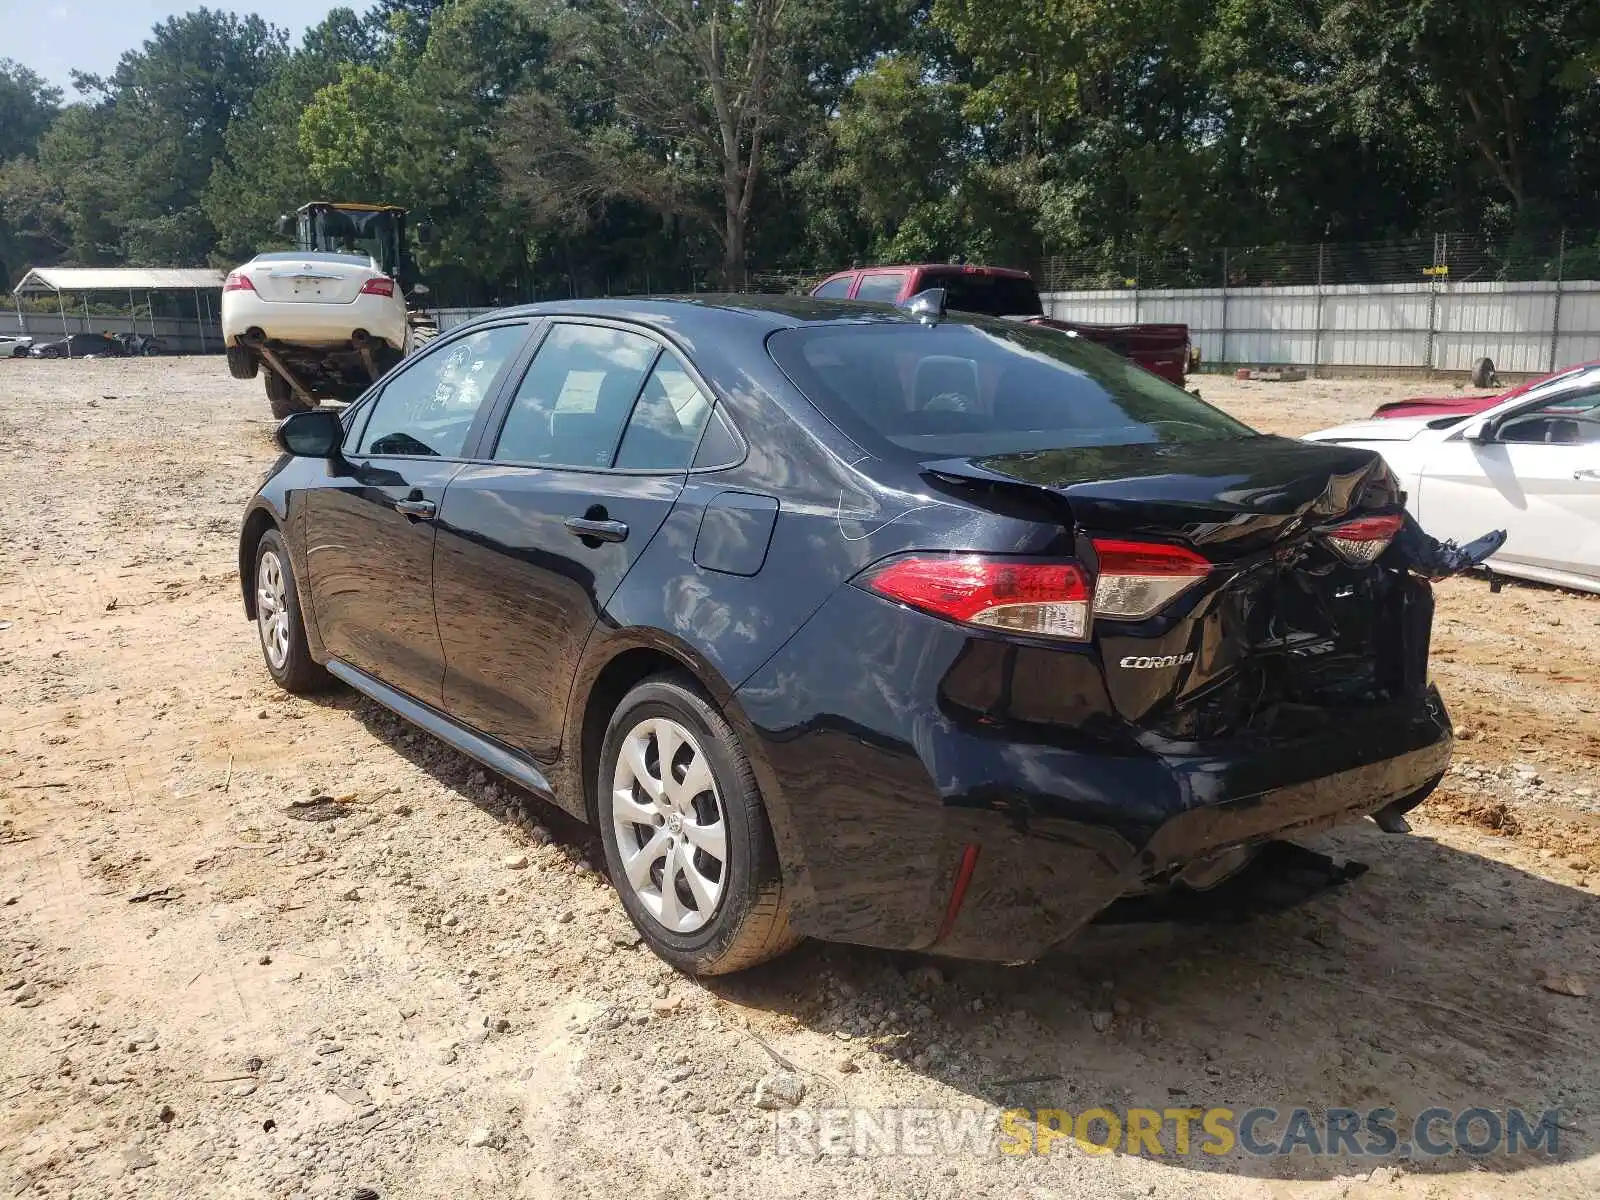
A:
{"points": [[419, 289], [314, 434], [285, 224], [425, 233], [1478, 430]]}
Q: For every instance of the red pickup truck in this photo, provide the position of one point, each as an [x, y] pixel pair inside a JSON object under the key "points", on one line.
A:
{"points": [[1001, 292]]}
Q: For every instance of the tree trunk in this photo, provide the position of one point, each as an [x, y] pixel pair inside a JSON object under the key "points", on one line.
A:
{"points": [[733, 249]]}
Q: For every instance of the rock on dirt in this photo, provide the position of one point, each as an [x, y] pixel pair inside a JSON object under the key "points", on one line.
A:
{"points": [[784, 1089]]}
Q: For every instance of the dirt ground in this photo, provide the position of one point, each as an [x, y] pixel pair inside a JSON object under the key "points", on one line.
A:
{"points": [[433, 994]]}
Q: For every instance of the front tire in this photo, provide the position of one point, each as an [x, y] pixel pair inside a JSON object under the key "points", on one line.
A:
{"points": [[281, 397], [687, 841], [279, 625]]}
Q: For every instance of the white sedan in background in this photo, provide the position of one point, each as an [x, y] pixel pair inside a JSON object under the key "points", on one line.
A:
{"points": [[1530, 466]]}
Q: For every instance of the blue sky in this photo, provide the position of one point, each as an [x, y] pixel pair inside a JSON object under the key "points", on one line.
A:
{"points": [[56, 36]]}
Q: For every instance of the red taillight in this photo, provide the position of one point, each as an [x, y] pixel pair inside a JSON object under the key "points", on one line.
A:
{"points": [[238, 281], [1361, 541], [378, 285], [1139, 579], [1041, 599]]}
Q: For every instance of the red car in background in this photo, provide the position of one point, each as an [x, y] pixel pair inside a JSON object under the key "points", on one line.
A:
{"points": [[1465, 405], [1162, 349]]}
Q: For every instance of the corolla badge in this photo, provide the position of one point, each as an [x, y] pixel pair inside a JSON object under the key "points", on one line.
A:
{"points": [[1154, 662]]}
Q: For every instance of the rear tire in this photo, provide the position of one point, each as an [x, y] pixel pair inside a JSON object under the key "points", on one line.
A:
{"points": [[283, 398], [645, 824], [242, 362], [280, 627]]}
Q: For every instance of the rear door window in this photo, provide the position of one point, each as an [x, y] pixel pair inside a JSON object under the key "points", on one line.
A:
{"points": [[571, 406], [883, 286], [665, 426], [986, 387], [835, 289]]}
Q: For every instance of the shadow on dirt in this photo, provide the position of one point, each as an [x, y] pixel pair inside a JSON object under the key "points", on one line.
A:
{"points": [[1416, 986], [484, 789]]}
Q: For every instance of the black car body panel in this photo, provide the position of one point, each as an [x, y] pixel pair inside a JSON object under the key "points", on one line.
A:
{"points": [[894, 749]]}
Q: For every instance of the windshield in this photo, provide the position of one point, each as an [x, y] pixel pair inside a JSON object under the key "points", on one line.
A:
{"points": [[375, 234], [988, 387]]}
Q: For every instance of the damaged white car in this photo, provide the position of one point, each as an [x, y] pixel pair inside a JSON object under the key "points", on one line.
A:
{"points": [[1530, 466]]}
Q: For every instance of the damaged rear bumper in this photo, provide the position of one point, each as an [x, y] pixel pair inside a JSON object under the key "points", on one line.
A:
{"points": [[1025, 895]]}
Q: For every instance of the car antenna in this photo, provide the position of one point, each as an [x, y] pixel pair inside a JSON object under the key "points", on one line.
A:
{"points": [[927, 306]]}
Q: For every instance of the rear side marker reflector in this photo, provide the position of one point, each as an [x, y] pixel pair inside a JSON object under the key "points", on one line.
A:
{"points": [[1363, 540], [1039, 599], [1139, 579], [958, 891]]}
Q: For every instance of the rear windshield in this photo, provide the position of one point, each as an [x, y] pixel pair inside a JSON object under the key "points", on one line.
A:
{"points": [[326, 256], [990, 387], [991, 295]]}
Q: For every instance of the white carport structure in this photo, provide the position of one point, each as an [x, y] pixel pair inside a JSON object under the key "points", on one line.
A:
{"points": [[199, 282]]}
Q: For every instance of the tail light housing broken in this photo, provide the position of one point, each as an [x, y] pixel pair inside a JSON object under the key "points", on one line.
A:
{"points": [[1364, 539]]}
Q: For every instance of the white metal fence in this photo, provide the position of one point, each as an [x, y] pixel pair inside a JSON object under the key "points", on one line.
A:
{"points": [[1524, 327], [179, 335]]}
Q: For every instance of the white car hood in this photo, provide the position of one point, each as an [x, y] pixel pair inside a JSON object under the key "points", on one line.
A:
{"points": [[1398, 429]]}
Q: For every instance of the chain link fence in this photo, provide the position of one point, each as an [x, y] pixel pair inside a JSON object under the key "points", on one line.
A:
{"points": [[1453, 257]]}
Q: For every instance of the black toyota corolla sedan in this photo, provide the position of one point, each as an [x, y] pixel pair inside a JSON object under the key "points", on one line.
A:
{"points": [[903, 628]]}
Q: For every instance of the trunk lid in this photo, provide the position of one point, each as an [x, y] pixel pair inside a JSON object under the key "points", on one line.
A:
{"points": [[325, 279], [1283, 629]]}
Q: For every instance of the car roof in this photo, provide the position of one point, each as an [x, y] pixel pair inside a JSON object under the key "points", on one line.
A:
{"points": [[947, 268], [1576, 380], [702, 311]]}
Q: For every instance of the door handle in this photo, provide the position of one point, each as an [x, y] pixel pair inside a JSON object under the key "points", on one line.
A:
{"points": [[600, 531], [1586, 473], [416, 508]]}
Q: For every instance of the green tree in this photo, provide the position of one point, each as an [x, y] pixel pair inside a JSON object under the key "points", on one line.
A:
{"points": [[27, 107], [671, 107], [264, 173], [135, 166]]}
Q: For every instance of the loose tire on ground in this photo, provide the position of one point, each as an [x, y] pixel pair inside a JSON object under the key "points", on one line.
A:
{"points": [[1483, 373], [280, 627], [748, 923], [283, 398], [242, 363]]}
